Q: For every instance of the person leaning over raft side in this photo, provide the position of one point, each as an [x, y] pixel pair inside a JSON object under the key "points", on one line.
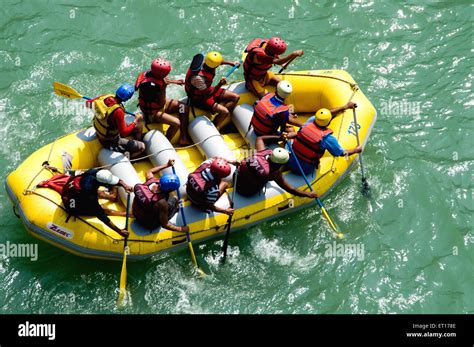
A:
{"points": [[264, 166], [314, 138], [156, 108], [205, 185], [260, 58], [80, 196], [109, 122], [198, 85], [153, 206], [271, 113]]}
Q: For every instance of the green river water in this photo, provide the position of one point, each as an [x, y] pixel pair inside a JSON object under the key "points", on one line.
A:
{"points": [[413, 60]]}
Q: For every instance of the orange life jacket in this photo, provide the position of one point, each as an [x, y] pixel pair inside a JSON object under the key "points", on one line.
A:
{"points": [[267, 118], [307, 144]]}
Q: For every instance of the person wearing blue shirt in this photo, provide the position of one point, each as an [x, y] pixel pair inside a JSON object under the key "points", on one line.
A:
{"points": [[314, 138]]}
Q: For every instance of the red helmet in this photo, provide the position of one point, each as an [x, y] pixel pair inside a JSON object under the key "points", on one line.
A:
{"points": [[275, 46], [160, 68], [220, 168]]}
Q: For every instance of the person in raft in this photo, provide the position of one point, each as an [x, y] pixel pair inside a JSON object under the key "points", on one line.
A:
{"points": [[314, 138], [109, 122], [154, 105], [264, 166], [80, 196], [198, 86], [271, 113], [153, 206], [205, 185], [261, 56]]}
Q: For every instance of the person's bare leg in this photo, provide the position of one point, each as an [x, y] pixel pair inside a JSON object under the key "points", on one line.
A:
{"points": [[137, 132], [110, 212], [183, 111], [229, 100], [173, 122], [223, 113]]}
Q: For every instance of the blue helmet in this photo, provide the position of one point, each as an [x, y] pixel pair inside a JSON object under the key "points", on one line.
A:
{"points": [[169, 182], [125, 91]]}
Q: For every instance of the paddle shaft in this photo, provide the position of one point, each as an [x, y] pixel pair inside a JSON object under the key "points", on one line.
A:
{"points": [[286, 65], [123, 274], [229, 221], [183, 216], [231, 71], [320, 203]]}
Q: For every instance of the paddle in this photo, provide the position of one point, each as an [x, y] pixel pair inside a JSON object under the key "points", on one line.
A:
{"points": [[235, 67], [320, 203], [123, 274], [286, 65], [188, 237], [70, 93], [365, 183], [229, 220]]}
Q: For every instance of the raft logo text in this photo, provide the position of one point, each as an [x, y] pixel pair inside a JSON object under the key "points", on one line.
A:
{"points": [[19, 250], [37, 330], [348, 250]]}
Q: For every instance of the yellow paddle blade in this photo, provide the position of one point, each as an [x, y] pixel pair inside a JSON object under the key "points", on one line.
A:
{"points": [[325, 214], [123, 278], [193, 257], [65, 91]]}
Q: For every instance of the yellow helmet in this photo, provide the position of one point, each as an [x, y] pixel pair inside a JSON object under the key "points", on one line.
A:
{"points": [[213, 59], [323, 117]]}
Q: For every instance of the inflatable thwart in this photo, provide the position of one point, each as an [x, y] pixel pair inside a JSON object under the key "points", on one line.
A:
{"points": [[43, 215]]}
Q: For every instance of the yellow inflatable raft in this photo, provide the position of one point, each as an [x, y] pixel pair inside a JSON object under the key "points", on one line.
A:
{"points": [[42, 214]]}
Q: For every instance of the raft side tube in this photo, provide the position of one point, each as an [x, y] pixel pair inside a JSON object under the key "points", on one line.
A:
{"points": [[123, 169], [157, 144], [241, 117], [210, 141]]}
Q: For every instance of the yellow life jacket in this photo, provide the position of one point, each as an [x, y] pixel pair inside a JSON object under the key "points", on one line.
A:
{"points": [[102, 113]]}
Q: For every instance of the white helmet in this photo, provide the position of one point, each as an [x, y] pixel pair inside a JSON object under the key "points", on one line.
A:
{"points": [[106, 177], [284, 89], [279, 156]]}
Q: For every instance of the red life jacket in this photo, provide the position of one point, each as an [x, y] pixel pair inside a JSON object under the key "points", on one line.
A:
{"points": [[267, 118], [192, 91], [71, 193], [253, 70], [144, 204], [57, 182], [254, 172], [197, 186], [307, 145], [150, 104]]}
